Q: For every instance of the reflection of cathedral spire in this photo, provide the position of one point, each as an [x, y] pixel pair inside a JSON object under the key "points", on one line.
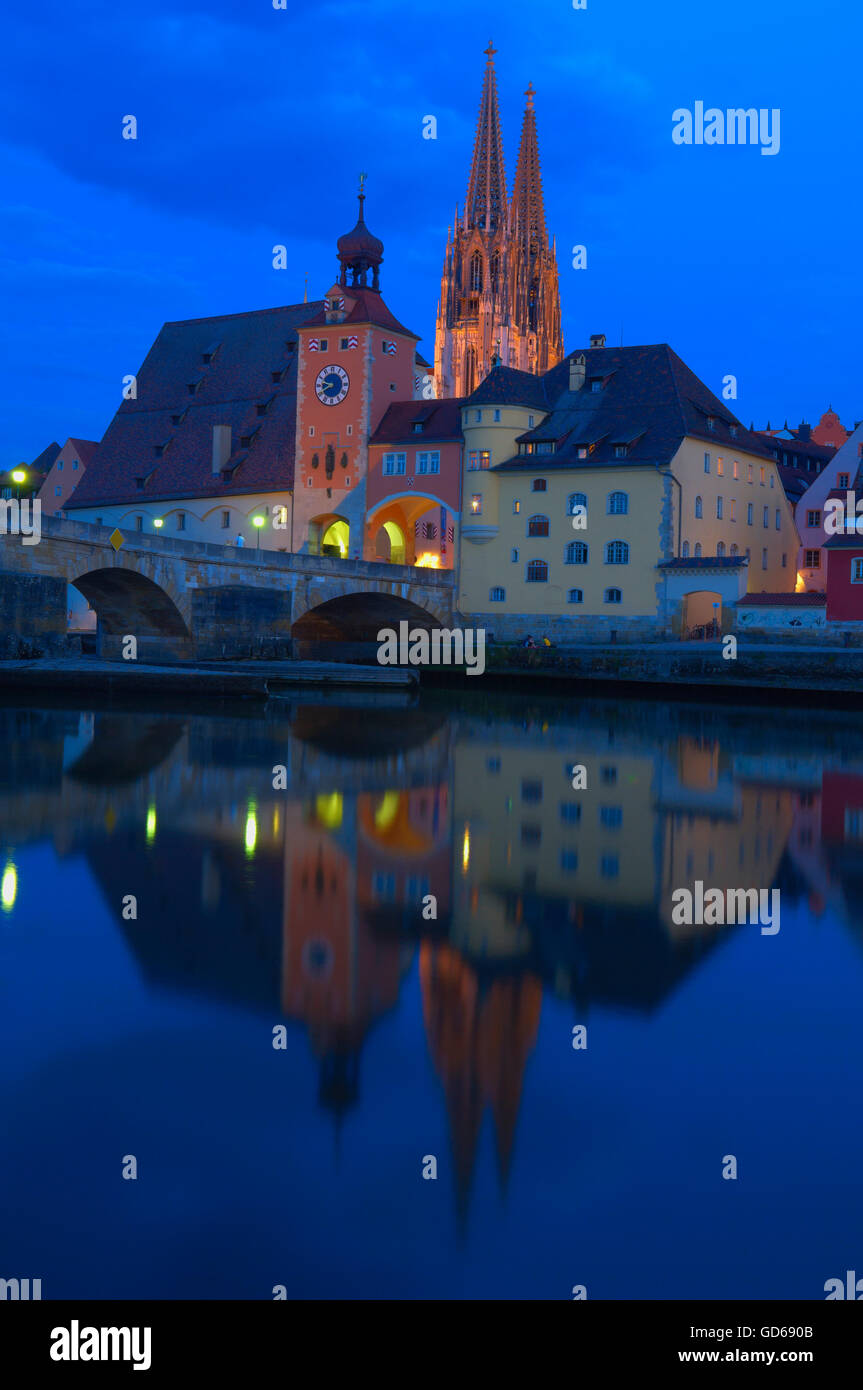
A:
{"points": [[479, 1043]]}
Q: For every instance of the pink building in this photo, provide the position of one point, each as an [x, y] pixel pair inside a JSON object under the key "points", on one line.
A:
{"points": [[67, 471], [834, 480]]}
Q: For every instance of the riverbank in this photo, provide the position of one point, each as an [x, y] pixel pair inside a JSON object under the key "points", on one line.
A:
{"points": [[249, 681]]}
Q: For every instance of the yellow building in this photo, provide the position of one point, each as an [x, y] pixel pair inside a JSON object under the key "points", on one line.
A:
{"points": [[614, 494]]}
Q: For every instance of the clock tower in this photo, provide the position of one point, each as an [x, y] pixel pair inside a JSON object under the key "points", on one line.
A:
{"points": [[355, 359]]}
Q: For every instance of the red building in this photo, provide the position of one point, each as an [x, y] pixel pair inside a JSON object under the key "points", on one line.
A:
{"points": [[844, 556], [414, 480]]}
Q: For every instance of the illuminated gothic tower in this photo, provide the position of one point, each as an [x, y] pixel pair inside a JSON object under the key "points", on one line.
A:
{"points": [[499, 292]]}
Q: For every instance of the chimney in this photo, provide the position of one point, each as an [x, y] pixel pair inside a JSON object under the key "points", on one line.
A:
{"points": [[221, 448], [597, 340], [576, 372]]}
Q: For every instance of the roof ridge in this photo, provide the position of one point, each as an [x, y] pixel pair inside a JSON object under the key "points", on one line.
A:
{"points": [[313, 305]]}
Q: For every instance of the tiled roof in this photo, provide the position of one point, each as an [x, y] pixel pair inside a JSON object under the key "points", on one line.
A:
{"points": [[441, 420], [369, 308], [850, 542], [84, 448], [509, 386], [649, 400], [804, 600], [246, 350], [45, 461]]}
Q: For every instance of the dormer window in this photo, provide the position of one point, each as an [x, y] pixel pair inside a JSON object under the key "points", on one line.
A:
{"points": [[711, 422], [546, 446], [417, 426], [596, 383], [582, 451], [732, 430], [620, 451]]}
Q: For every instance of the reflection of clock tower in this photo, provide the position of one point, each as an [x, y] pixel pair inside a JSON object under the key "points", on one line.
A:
{"points": [[355, 358]]}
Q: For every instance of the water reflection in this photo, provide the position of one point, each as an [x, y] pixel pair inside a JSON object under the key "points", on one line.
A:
{"points": [[312, 905]]}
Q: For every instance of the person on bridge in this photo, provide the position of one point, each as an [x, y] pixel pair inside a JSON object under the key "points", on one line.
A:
{"points": [[240, 540]]}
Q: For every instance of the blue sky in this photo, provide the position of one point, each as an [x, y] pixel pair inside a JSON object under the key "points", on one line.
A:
{"points": [[253, 124]]}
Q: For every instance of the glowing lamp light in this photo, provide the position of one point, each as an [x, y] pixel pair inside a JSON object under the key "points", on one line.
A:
{"points": [[19, 476], [8, 887], [474, 505], [151, 824], [158, 523], [250, 839], [465, 850], [258, 521], [428, 561]]}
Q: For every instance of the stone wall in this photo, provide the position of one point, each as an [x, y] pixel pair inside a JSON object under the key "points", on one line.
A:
{"points": [[32, 615], [564, 629]]}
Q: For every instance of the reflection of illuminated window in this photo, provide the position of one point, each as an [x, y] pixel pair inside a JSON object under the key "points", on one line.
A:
{"points": [[416, 887], [608, 776], [384, 887], [531, 791], [570, 812], [531, 835], [853, 824], [492, 764], [568, 861], [611, 817], [609, 866]]}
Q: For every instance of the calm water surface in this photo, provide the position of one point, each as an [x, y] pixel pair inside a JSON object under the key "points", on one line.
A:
{"points": [[409, 1036]]}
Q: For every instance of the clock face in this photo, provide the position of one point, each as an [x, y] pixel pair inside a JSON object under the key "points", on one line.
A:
{"points": [[331, 385]]}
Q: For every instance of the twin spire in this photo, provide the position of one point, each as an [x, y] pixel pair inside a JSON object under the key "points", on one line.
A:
{"points": [[486, 205]]}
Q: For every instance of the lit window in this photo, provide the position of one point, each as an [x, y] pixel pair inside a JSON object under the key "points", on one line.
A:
{"points": [[719, 469], [537, 572], [497, 595], [576, 553], [617, 553], [613, 596], [749, 472], [478, 458], [617, 504], [516, 508], [762, 475], [735, 468], [476, 503], [733, 509]]}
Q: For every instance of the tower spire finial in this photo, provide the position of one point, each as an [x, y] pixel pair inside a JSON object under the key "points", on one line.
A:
{"points": [[490, 52], [486, 205]]}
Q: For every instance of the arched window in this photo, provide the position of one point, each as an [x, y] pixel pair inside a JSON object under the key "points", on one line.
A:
{"points": [[576, 553], [684, 551], [537, 526], [720, 550], [539, 485], [617, 553], [734, 550], [697, 551], [617, 504], [575, 596], [613, 596], [699, 507], [476, 271], [537, 572], [576, 499], [470, 381]]}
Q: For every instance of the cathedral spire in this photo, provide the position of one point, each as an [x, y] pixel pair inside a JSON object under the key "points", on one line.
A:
{"points": [[485, 206], [527, 210]]}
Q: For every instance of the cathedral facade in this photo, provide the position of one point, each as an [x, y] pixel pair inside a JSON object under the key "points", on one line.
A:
{"points": [[499, 300]]}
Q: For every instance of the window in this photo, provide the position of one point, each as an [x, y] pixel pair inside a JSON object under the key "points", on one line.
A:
{"points": [[570, 811], [749, 514], [516, 508], [429, 462], [568, 861], [762, 475], [576, 553], [813, 518], [226, 520], [343, 344], [609, 866], [58, 491], [492, 764], [576, 499], [735, 468], [711, 422], [546, 446], [764, 558], [748, 554], [684, 551], [613, 596], [531, 791], [74, 465], [617, 553], [772, 481], [539, 485], [476, 271], [530, 422], [350, 429], [765, 517], [537, 572], [843, 480], [476, 503], [719, 468], [582, 451], [596, 383], [311, 431], [857, 570], [812, 559], [611, 817], [620, 451], [384, 886], [707, 463], [733, 550], [497, 417], [733, 509], [575, 596], [699, 507], [732, 430], [531, 835], [417, 427], [514, 555], [749, 472], [477, 416], [719, 509], [478, 458], [784, 561], [394, 463], [720, 550], [696, 554], [608, 776], [497, 595], [617, 504], [139, 523], [59, 465], [537, 526], [778, 519]]}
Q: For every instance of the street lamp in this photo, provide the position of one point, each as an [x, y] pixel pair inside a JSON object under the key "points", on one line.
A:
{"points": [[18, 477], [258, 522], [158, 523]]}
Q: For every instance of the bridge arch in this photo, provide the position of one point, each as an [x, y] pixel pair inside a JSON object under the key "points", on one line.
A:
{"points": [[358, 617], [126, 601]]}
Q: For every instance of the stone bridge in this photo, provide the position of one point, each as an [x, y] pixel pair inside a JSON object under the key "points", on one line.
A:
{"points": [[191, 599]]}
